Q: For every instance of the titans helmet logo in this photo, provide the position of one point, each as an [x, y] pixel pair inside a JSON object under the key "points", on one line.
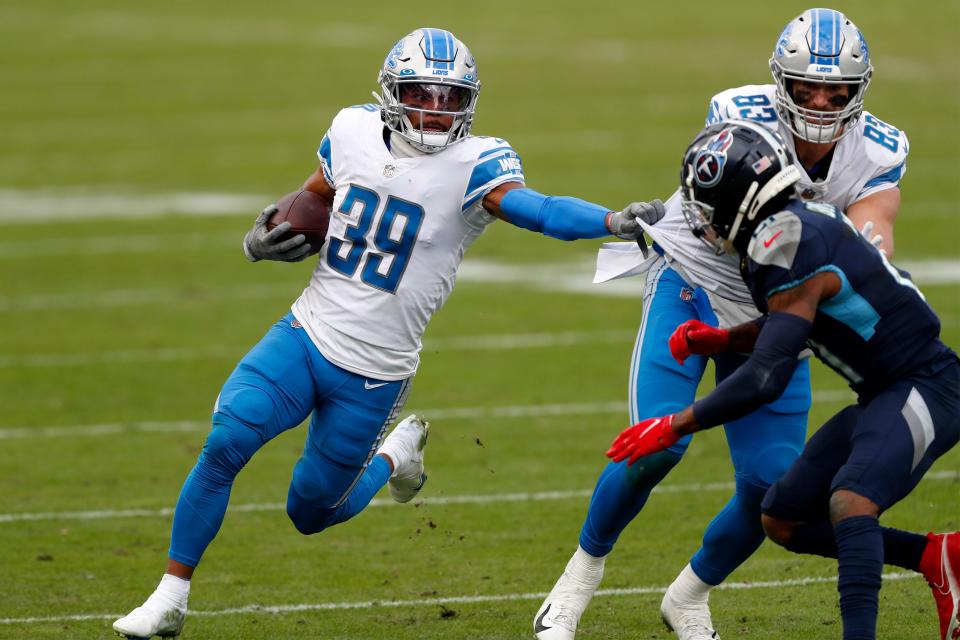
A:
{"points": [[709, 161], [708, 165]]}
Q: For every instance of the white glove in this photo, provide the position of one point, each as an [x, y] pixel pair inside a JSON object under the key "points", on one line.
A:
{"points": [[876, 240], [260, 244]]}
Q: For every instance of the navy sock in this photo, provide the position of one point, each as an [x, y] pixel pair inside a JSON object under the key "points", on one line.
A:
{"points": [[860, 564], [900, 548], [903, 548]]}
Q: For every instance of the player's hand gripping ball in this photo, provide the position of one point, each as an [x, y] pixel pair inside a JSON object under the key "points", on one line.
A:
{"points": [[307, 212]]}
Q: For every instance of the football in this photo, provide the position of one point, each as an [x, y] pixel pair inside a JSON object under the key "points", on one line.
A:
{"points": [[307, 212]]}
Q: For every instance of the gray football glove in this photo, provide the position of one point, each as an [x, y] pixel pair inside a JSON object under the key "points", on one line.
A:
{"points": [[624, 225], [260, 244]]}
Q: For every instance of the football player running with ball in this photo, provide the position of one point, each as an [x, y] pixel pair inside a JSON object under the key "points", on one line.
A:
{"points": [[820, 284], [411, 190], [848, 158]]}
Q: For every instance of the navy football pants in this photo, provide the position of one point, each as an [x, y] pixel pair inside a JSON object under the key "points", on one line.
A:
{"points": [[879, 449]]}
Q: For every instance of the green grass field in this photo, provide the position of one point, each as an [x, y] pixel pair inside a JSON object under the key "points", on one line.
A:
{"points": [[122, 311]]}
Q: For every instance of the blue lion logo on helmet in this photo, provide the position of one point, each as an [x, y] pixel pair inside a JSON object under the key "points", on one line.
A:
{"points": [[783, 40], [863, 47], [391, 60]]}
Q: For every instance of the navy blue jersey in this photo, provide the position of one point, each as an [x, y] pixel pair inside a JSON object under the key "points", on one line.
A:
{"points": [[878, 328]]}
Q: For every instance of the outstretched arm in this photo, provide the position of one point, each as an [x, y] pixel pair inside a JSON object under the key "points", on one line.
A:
{"points": [[760, 380], [567, 218]]}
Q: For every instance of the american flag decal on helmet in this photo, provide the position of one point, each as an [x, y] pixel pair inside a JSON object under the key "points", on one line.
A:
{"points": [[761, 165]]}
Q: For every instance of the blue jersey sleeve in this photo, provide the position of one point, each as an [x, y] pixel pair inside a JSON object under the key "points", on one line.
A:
{"points": [[885, 148], [493, 167], [326, 158]]}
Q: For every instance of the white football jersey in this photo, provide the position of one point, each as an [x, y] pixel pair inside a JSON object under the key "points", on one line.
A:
{"points": [[867, 160], [399, 228]]}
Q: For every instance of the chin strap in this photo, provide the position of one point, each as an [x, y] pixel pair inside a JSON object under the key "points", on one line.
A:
{"points": [[401, 147], [751, 204]]}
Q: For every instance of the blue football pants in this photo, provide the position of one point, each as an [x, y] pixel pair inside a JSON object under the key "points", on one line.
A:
{"points": [[280, 382], [762, 445]]}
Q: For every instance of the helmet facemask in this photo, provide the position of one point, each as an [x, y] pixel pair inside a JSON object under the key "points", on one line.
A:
{"points": [[430, 116], [819, 127]]}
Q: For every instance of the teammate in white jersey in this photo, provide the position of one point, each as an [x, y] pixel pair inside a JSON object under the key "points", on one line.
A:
{"points": [[411, 189], [848, 158]]}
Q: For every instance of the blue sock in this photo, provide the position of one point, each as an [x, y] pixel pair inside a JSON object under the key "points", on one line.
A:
{"points": [[310, 518], [732, 536], [900, 548], [206, 491], [619, 496], [860, 564]]}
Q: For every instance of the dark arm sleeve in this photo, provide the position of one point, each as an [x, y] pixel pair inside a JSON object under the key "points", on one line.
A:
{"points": [[763, 377]]}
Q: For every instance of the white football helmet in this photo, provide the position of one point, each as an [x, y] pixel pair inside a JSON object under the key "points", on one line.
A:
{"points": [[440, 72], [821, 45]]}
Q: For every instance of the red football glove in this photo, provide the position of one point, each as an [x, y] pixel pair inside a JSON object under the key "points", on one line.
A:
{"points": [[646, 437], [694, 336]]}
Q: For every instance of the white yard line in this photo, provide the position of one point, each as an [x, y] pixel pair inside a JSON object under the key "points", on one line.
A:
{"points": [[568, 277], [492, 498], [447, 413], [434, 602], [119, 244], [31, 207]]}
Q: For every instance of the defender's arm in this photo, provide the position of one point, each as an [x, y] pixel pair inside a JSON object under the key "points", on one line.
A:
{"points": [[760, 380]]}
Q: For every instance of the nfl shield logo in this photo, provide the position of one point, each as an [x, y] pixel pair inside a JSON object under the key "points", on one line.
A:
{"points": [[686, 294]]}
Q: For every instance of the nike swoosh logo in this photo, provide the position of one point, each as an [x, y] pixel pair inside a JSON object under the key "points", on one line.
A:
{"points": [[367, 385], [767, 243], [538, 626]]}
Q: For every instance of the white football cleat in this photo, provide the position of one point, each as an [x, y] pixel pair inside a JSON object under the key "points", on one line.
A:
{"points": [[559, 615], [690, 620], [405, 446], [155, 617]]}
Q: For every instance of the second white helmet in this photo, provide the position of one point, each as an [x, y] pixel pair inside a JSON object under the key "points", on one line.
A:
{"points": [[821, 45]]}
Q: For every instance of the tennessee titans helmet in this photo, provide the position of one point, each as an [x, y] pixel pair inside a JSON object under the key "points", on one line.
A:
{"points": [[442, 71], [821, 45], [734, 173]]}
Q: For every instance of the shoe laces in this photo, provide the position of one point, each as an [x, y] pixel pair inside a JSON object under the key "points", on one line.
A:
{"points": [[691, 623], [695, 619], [564, 617]]}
